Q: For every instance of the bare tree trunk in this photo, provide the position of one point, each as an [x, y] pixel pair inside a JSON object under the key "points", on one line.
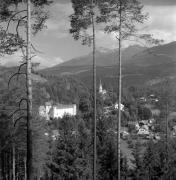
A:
{"points": [[13, 156], [1, 170], [29, 96], [94, 98], [166, 139], [13, 161], [119, 97], [25, 175], [6, 165], [3, 164], [38, 173], [10, 164]]}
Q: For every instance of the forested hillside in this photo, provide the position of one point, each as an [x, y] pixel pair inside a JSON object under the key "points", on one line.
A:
{"points": [[74, 143]]}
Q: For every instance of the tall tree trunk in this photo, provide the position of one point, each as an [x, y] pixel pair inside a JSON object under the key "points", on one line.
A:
{"points": [[6, 166], [119, 95], [25, 175], [10, 164], [166, 141], [38, 173], [13, 161], [94, 98], [1, 165], [13, 156], [29, 96]]}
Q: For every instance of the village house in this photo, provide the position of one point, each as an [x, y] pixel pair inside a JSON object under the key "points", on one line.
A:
{"points": [[109, 109], [142, 99], [153, 98], [116, 106], [146, 127], [143, 131], [54, 134], [57, 111]]}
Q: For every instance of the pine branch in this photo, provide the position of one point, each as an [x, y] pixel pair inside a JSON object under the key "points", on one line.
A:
{"points": [[15, 74], [11, 18]]}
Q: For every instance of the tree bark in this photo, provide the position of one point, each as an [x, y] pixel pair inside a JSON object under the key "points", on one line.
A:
{"points": [[1, 175], [25, 175], [13, 157], [94, 98], [119, 95], [29, 96]]}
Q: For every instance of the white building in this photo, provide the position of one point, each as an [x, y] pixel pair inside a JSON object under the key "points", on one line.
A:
{"points": [[101, 90], [116, 106], [143, 132], [60, 110], [142, 99], [57, 111]]}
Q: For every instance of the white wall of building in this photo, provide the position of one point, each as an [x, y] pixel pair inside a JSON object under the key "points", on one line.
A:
{"points": [[48, 107], [60, 112], [116, 106]]}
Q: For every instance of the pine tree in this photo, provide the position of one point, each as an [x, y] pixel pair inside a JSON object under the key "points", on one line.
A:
{"points": [[107, 159], [154, 161], [124, 168], [137, 161], [70, 159], [120, 17], [82, 19], [8, 15]]}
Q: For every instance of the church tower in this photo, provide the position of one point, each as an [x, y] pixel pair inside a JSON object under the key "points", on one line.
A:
{"points": [[100, 87], [101, 90]]}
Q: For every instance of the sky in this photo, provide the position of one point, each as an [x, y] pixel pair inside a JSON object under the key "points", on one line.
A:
{"points": [[57, 45]]}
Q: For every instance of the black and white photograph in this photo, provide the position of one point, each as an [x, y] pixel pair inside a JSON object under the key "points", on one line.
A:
{"points": [[87, 89]]}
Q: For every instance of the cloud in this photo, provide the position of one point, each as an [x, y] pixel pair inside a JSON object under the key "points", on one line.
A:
{"points": [[105, 40], [161, 23], [11, 60], [58, 25], [159, 2], [15, 59], [62, 1], [47, 62]]}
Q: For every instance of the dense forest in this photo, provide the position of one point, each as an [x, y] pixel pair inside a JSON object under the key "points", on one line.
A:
{"points": [[69, 154]]}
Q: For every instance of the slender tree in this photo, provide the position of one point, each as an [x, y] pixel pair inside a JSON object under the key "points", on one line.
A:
{"points": [[120, 91], [13, 157], [82, 19], [120, 17], [29, 95], [95, 96], [11, 42]]}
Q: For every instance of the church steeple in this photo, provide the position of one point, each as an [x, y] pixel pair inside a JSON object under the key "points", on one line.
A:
{"points": [[100, 87]]}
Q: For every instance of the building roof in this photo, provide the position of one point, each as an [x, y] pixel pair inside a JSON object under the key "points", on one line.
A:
{"points": [[62, 106], [48, 104]]}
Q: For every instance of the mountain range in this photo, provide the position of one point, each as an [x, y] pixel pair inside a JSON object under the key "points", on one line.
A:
{"points": [[140, 65]]}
